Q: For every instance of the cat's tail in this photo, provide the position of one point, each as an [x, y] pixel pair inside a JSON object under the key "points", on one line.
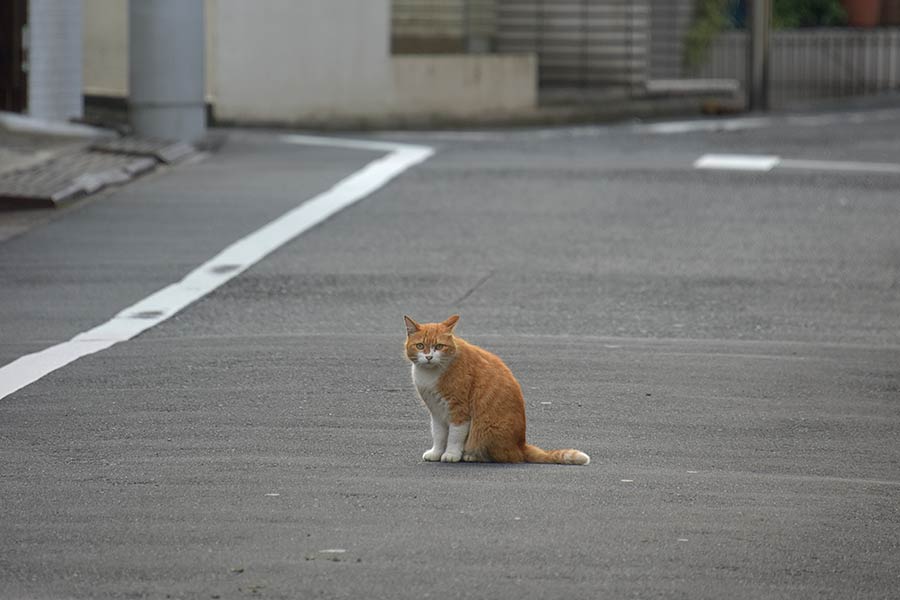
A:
{"points": [[533, 454]]}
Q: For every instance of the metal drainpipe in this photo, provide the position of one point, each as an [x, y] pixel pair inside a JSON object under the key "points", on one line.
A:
{"points": [[166, 68], [758, 63]]}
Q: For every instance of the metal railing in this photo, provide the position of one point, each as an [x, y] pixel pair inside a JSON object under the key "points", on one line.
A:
{"points": [[805, 64], [812, 64]]}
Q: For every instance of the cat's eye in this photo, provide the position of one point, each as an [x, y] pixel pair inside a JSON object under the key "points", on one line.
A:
{"points": [[438, 346], [420, 346]]}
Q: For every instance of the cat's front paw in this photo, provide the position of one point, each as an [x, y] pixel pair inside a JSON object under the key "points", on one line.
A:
{"points": [[432, 455], [469, 456], [451, 457]]}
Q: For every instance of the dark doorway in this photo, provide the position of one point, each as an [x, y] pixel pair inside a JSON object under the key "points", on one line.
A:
{"points": [[13, 79]]}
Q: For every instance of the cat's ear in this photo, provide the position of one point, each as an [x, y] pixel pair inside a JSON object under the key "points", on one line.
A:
{"points": [[411, 326], [451, 322]]}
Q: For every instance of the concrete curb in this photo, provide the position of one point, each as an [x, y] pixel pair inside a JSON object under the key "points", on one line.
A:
{"points": [[46, 170], [550, 113], [30, 125]]}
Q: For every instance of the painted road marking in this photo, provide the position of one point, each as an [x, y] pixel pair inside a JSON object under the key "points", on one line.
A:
{"points": [[704, 125], [762, 162], [736, 162], [227, 264]]}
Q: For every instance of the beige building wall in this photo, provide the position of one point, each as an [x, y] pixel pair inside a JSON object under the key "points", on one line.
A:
{"points": [[471, 87], [317, 62], [105, 47], [287, 61]]}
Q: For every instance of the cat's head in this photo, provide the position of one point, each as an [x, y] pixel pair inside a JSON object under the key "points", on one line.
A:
{"points": [[430, 345]]}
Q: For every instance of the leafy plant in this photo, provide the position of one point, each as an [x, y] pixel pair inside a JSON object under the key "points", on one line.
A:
{"points": [[788, 14], [709, 20], [714, 16]]}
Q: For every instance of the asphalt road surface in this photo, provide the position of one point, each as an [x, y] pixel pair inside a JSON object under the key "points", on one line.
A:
{"points": [[724, 343]]}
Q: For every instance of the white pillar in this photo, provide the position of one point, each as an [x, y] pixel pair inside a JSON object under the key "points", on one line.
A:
{"points": [[166, 68], [54, 60]]}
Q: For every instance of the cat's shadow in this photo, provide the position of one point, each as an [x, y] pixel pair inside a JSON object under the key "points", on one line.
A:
{"points": [[461, 467]]}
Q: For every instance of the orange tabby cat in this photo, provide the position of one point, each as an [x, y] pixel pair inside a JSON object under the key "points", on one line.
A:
{"points": [[476, 405]]}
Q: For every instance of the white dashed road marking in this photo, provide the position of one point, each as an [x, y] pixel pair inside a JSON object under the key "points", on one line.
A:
{"points": [[226, 265], [736, 162], [763, 162]]}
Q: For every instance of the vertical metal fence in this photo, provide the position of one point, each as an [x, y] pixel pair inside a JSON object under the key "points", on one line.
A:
{"points": [[812, 64], [806, 64]]}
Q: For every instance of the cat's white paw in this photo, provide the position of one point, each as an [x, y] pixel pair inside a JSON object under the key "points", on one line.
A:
{"points": [[451, 457], [432, 455]]}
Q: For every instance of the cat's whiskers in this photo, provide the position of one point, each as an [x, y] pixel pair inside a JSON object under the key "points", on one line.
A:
{"points": [[423, 361]]}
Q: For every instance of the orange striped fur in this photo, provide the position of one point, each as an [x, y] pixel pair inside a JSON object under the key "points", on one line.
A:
{"points": [[476, 404]]}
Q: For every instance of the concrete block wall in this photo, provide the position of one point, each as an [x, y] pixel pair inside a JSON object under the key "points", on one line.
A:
{"points": [[54, 59], [463, 87]]}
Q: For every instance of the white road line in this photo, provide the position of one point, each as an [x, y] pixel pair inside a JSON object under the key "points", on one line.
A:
{"points": [[704, 125], [763, 162], [224, 266], [736, 162]]}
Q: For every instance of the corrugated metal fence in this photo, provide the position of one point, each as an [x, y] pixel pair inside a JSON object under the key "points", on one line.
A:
{"points": [[579, 43], [442, 26]]}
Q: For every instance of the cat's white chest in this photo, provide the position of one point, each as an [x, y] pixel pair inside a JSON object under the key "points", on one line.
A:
{"points": [[426, 381]]}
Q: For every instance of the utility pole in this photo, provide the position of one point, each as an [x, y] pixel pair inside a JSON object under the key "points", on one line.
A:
{"points": [[166, 68], [758, 55]]}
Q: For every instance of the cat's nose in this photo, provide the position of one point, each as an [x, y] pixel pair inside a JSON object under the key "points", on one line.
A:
{"points": [[428, 358]]}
